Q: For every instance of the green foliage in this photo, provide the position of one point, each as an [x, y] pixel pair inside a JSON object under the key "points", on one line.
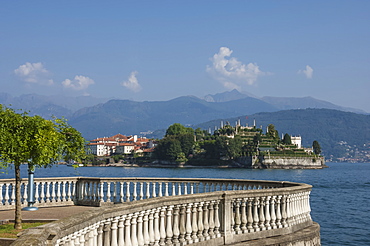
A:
{"points": [[169, 148], [36, 141], [316, 147], [287, 139], [234, 147], [178, 129], [272, 132]]}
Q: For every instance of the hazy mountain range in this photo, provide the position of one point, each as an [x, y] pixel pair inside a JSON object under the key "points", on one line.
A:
{"points": [[93, 117]]}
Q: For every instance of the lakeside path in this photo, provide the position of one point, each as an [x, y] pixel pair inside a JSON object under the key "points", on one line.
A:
{"points": [[46, 214]]}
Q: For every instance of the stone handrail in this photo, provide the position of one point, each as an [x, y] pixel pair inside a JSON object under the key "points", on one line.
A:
{"points": [[231, 212], [104, 191]]}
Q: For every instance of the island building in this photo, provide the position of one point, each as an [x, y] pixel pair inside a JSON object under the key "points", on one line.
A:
{"points": [[265, 151], [119, 144]]}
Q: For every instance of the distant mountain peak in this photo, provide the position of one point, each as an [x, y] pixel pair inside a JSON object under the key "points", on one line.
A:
{"points": [[227, 96]]}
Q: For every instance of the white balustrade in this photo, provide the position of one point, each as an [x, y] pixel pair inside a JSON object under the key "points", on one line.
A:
{"points": [[253, 207]]}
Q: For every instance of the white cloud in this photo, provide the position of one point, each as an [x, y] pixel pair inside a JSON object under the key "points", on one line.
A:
{"points": [[132, 83], [308, 72], [34, 73], [231, 72], [78, 83]]}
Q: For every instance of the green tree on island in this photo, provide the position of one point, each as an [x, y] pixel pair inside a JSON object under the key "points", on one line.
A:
{"points": [[287, 139], [316, 147], [36, 141], [272, 132]]}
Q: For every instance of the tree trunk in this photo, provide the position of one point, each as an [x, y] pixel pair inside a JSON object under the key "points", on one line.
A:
{"points": [[18, 204]]}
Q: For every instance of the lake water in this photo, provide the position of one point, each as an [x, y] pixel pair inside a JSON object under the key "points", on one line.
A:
{"points": [[340, 198]]}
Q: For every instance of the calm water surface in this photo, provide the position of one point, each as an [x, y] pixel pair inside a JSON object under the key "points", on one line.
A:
{"points": [[339, 200]]}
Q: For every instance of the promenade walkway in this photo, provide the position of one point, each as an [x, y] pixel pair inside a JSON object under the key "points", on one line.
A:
{"points": [[46, 214]]}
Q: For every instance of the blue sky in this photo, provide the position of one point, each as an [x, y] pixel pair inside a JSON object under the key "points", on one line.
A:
{"points": [[159, 50]]}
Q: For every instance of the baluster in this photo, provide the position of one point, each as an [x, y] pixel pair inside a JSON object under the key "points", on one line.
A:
{"points": [[141, 196], [74, 197], [182, 224], [200, 222], [205, 221], [53, 194], [284, 212], [176, 222], [108, 192], [69, 197], [147, 189], [157, 235], [188, 224], [134, 195], [25, 195], [134, 229], [100, 233], [107, 229], [121, 193], [278, 212], [179, 188], [76, 238], [212, 220], [37, 184], [291, 213], [262, 214], [114, 232], [308, 208], [42, 193], [81, 188], [90, 235], [59, 195], [169, 232], [127, 191], [255, 214], [237, 216], [146, 226], [101, 192], [83, 236], [160, 190], [64, 194], [121, 230], [117, 189], [12, 194], [250, 215], [273, 214], [185, 188], [140, 232], [7, 194], [194, 223], [191, 188], [94, 241], [301, 207], [174, 188], [244, 220], [232, 216], [151, 227], [162, 229], [217, 219], [166, 189], [154, 186], [128, 230]]}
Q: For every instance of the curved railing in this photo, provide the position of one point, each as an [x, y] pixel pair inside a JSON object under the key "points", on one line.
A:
{"points": [[190, 211], [104, 191]]}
